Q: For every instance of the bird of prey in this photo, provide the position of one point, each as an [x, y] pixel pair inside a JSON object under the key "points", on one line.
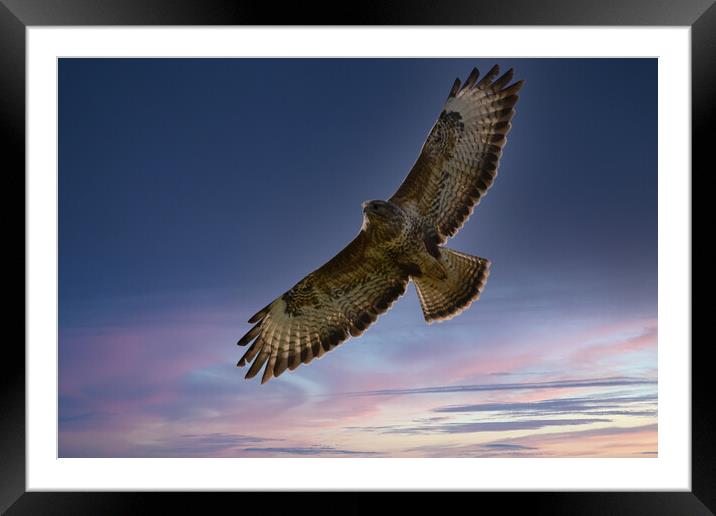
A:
{"points": [[401, 239]]}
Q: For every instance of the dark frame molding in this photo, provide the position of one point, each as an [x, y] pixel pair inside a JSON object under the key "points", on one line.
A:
{"points": [[17, 15]]}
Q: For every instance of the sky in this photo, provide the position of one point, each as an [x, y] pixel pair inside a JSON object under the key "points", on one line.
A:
{"points": [[192, 192]]}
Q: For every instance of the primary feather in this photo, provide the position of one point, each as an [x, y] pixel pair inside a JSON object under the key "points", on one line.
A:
{"points": [[460, 157]]}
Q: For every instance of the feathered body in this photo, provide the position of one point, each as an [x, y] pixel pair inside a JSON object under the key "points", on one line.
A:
{"points": [[400, 239]]}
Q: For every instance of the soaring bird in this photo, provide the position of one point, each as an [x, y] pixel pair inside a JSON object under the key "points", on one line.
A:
{"points": [[401, 239]]}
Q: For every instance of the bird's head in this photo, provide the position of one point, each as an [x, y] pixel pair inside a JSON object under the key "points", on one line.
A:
{"points": [[381, 213], [377, 208]]}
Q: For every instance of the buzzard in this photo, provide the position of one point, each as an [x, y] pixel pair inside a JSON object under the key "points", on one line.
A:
{"points": [[401, 239]]}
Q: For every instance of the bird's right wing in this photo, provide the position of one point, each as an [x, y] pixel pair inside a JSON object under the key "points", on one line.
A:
{"points": [[340, 299], [459, 159]]}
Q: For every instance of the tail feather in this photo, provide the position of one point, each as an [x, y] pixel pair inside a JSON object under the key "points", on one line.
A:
{"points": [[446, 298]]}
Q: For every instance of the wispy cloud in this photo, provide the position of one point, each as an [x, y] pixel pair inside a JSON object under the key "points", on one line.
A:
{"points": [[610, 441], [173, 391], [610, 405], [641, 340], [563, 384], [485, 426], [507, 446], [311, 450], [81, 418], [199, 445]]}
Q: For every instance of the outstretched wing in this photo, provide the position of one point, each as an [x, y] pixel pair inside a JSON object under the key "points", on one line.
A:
{"points": [[340, 299], [459, 159]]}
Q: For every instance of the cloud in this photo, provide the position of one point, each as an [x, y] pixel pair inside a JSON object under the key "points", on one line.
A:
{"points": [[311, 450], [645, 339], [609, 441], [529, 415], [485, 426], [81, 418], [199, 445], [507, 446], [167, 387], [615, 405], [494, 449], [606, 431], [562, 384]]}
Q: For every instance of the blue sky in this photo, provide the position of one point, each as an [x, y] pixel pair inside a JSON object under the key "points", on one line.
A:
{"points": [[195, 191]]}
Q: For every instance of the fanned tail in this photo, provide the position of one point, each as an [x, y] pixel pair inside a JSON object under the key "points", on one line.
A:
{"points": [[446, 298]]}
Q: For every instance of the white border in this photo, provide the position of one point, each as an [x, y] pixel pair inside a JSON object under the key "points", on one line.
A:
{"points": [[671, 470]]}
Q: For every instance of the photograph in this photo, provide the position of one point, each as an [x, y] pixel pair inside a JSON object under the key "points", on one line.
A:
{"points": [[357, 257], [412, 247]]}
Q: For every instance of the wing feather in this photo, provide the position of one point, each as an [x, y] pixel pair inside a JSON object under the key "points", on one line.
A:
{"points": [[459, 160], [337, 301]]}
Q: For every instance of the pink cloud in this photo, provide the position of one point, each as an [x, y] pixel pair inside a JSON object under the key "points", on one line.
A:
{"points": [[645, 340], [134, 385], [610, 441]]}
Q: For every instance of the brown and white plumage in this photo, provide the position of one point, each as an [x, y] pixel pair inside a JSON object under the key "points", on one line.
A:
{"points": [[339, 300], [400, 240], [460, 157]]}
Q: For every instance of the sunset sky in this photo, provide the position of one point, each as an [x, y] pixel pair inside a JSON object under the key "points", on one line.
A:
{"points": [[192, 192]]}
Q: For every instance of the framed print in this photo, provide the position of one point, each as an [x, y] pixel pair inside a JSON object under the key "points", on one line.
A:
{"points": [[186, 167]]}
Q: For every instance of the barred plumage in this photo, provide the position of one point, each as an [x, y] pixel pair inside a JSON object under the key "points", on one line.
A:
{"points": [[460, 157], [400, 239]]}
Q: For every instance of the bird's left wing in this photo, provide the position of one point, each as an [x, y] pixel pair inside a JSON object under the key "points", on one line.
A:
{"points": [[459, 159], [340, 299]]}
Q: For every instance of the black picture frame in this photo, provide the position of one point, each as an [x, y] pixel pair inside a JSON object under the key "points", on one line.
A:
{"points": [[17, 15]]}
